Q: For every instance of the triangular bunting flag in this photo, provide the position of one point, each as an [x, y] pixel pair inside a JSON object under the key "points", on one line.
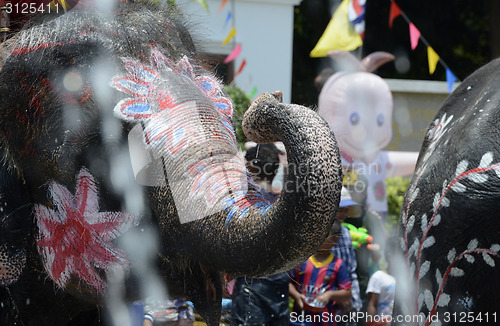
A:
{"points": [[223, 3], [356, 15], [450, 79], [228, 18], [229, 36], [433, 59], [204, 4], [414, 36], [394, 13], [253, 92], [240, 69], [234, 54], [338, 35]]}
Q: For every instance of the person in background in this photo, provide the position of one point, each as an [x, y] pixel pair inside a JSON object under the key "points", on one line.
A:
{"points": [[367, 256], [167, 312], [345, 251], [264, 300], [321, 282], [381, 289]]}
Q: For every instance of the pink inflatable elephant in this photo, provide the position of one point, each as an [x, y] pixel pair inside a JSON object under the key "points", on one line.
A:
{"points": [[357, 105]]}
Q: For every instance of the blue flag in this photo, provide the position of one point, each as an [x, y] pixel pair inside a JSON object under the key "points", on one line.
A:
{"points": [[450, 79]]}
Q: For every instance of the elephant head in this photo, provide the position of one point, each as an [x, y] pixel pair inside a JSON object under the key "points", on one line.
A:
{"points": [[110, 121], [449, 234]]}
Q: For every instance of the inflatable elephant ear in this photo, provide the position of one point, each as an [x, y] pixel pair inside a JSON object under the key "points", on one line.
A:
{"points": [[370, 63], [357, 105]]}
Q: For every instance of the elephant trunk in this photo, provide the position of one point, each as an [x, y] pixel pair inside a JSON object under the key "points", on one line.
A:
{"points": [[249, 236]]}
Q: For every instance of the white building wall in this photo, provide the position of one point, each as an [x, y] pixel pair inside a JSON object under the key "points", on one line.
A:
{"points": [[265, 31]]}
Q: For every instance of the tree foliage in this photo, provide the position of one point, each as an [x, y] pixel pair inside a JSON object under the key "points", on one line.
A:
{"points": [[396, 188], [241, 103]]}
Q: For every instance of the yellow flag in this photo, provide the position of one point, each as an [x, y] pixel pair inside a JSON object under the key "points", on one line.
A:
{"points": [[229, 36], [65, 6], [338, 35], [433, 59], [204, 4]]}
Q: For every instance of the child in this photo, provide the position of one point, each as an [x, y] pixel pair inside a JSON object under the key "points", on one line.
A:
{"points": [[323, 277], [381, 288]]}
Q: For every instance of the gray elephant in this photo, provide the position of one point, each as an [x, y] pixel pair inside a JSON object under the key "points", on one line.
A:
{"points": [[111, 130], [449, 233]]}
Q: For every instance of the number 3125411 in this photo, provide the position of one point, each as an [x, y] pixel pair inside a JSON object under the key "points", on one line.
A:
{"points": [[31, 8]]}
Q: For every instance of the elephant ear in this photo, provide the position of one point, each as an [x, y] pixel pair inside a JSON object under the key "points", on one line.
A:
{"points": [[75, 237], [15, 226]]}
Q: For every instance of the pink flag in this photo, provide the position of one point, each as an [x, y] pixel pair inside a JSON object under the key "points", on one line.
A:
{"points": [[234, 54], [414, 36]]}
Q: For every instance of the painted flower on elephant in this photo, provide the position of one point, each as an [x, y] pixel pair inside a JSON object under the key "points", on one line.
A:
{"points": [[437, 131], [186, 116], [74, 238], [165, 105]]}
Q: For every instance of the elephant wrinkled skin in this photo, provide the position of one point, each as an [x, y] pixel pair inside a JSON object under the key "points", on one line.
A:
{"points": [[110, 129]]}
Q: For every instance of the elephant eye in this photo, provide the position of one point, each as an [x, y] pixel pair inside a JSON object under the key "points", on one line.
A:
{"points": [[380, 120], [354, 118]]}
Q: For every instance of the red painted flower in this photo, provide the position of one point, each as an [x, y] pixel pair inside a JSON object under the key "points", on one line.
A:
{"points": [[75, 237]]}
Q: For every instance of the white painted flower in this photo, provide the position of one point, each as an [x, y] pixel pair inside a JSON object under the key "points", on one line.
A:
{"points": [[428, 242], [487, 258], [402, 243], [428, 299], [472, 245], [424, 268], [458, 187], [414, 194], [439, 277], [413, 248], [420, 301], [412, 269], [457, 272], [477, 177], [444, 299], [435, 203], [410, 223], [461, 167], [470, 258], [423, 222], [451, 255], [437, 131], [486, 160], [437, 220], [495, 247]]}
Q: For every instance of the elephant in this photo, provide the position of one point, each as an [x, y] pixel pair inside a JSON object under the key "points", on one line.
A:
{"points": [[450, 238], [120, 165]]}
